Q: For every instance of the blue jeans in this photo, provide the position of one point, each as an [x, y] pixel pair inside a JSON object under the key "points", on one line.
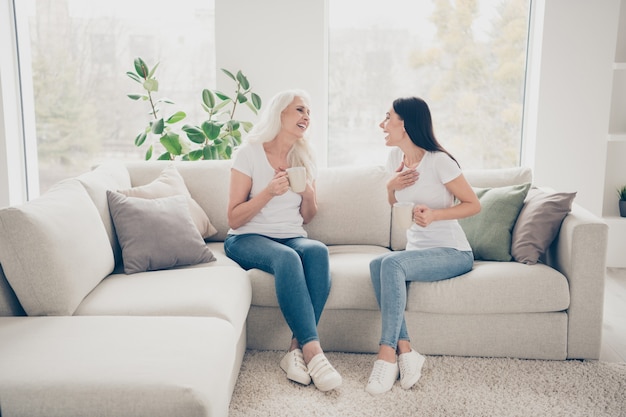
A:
{"points": [[301, 276], [391, 271]]}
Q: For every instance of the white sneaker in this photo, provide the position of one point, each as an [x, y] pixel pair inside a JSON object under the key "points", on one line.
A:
{"points": [[382, 377], [293, 364], [410, 364], [324, 376]]}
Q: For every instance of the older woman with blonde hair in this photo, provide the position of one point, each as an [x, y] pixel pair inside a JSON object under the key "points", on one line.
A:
{"points": [[266, 218]]}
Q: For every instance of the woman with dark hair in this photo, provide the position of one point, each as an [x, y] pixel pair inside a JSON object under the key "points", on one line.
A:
{"points": [[422, 172], [266, 216]]}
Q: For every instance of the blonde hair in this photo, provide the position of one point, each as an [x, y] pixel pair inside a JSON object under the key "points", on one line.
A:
{"points": [[269, 125]]}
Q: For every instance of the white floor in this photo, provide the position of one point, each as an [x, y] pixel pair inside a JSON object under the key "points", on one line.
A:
{"points": [[614, 326]]}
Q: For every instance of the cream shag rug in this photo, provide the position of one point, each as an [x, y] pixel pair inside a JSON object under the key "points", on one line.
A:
{"points": [[450, 386]]}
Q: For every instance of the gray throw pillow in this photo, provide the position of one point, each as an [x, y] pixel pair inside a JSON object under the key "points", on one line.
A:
{"points": [[489, 232], [538, 224], [156, 233]]}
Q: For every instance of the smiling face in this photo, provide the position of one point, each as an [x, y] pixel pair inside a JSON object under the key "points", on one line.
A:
{"points": [[295, 118], [393, 126]]}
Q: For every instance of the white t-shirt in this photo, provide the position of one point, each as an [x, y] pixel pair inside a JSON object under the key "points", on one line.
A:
{"points": [[280, 218], [435, 169]]}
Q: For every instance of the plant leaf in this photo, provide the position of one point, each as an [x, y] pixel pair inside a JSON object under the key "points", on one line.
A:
{"points": [[247, 126], [208, 99], [176, 117], [158, 126], [222, 95], [222, 105], [241, 98], [234, 124], [134, 76], [243, 80], [135, 96], [151, 85], [195, 134], [211, 129], [153, 70], [148, 155], [254, 110], [165, 157], [256, 100], [230, 74], [195, 155], [140, 139], [171, 142], [141, 68]]}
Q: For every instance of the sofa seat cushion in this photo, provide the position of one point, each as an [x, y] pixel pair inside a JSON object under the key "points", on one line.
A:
{"points": [[350, 274], [493, 288], [116, 366], [220, 291]]}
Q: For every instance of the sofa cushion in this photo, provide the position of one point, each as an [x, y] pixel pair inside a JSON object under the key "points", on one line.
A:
{"points": [[538, 223], [353, 207], [117, 366], [110, 176], [208, 291], [489, 232], [156, 233], [54, 249], [170, 183], [350, 275], [493, 288]]}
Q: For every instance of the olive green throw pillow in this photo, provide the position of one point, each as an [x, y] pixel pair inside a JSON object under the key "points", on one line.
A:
{"points": [[489, 232]]}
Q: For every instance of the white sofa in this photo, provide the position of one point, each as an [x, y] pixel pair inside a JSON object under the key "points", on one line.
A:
{"points": [[79, 337]]}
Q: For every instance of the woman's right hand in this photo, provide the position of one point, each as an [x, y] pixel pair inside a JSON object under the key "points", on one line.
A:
{"points": [[279, 185], [403, 179]]}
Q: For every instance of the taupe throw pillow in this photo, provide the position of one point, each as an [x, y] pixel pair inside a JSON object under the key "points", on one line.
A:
{"points": [[156, 233], [538, 224]]}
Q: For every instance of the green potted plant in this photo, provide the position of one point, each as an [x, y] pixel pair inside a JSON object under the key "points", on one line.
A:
{"points": [[215, 138], [621, 192]]}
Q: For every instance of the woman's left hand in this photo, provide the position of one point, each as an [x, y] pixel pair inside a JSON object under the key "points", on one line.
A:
{"points": [[423, 215]]}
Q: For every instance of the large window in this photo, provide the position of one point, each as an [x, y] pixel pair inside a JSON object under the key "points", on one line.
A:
{"points": [[466, 58], [79, 52]]}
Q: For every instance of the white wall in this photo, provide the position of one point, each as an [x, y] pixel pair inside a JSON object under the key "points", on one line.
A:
{"points": [[569, 96], [279, 45]]}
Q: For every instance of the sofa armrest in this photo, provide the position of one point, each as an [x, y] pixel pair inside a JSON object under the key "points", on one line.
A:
{"points": [[579, 253]]}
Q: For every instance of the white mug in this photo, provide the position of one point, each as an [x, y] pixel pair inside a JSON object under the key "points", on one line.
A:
{"points": [[297, 179], [403, 213]]}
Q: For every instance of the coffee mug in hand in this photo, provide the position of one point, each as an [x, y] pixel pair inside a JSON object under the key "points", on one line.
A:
{"points": [[297, 179], [403, 214]]}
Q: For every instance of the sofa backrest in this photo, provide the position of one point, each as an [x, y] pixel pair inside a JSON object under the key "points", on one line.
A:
{"points": [[352, 202], [352, 207], [207, 182]]}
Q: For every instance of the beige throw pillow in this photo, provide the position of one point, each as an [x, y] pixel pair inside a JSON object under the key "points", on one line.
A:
{"points": [[168, 184]]}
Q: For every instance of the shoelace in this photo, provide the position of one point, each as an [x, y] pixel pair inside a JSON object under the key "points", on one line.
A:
{"points": [[405, 366], [378, 372], [298, 359]]}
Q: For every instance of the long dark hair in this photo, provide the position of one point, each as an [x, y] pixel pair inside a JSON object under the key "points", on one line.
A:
{"points": [[418, 123]]}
